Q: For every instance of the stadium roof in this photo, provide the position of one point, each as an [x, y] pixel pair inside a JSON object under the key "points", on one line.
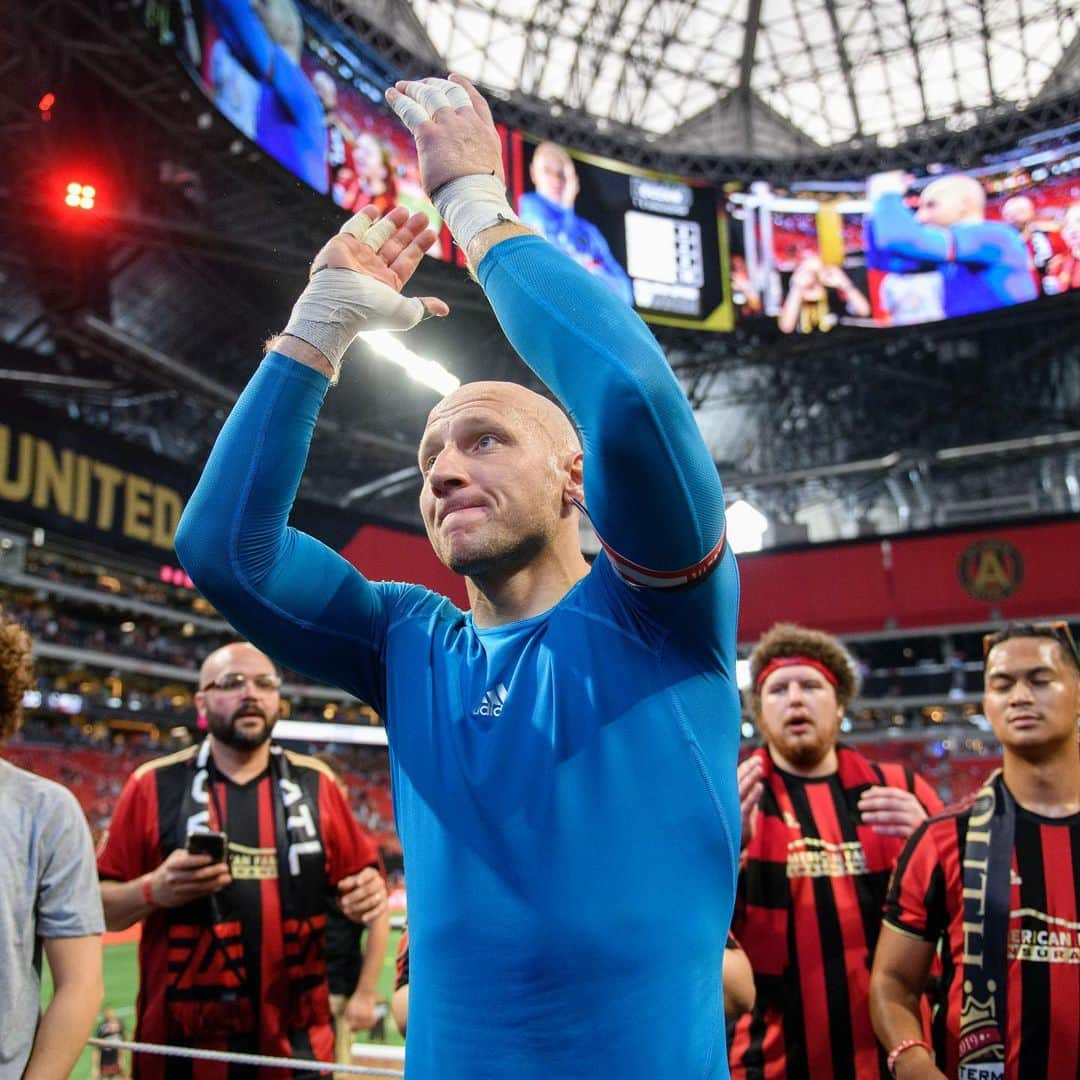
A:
{"points": [[836, 70]]}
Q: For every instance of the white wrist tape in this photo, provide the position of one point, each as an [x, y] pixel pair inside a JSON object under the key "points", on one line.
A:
{"points": [[339, 304], [471, 204]]}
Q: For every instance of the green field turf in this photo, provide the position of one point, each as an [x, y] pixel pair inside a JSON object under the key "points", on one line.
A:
{"points": [[122, 985]]}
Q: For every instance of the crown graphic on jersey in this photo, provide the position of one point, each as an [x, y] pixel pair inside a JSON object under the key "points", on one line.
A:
{"points": [[977, 1016]]}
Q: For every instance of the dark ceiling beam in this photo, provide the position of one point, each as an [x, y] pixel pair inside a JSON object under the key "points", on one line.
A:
{"points": [[746, 71], [920, 81], [845, 63], [984, 31], [749, 50]]}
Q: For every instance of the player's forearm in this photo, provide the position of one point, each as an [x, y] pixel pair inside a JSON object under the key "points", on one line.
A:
{"points": [[895, 1009], [69, 1018], [278, 587], [642, 445], [245, 35], [896, 232], [303, 353], [376, 940], [789, 312], [234, 525], [124, 903]]}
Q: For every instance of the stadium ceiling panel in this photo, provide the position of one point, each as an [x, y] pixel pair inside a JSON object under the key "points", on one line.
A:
{"points": [[838, 70]]}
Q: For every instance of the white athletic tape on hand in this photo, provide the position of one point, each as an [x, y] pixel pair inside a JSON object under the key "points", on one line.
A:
{"points": [[357, 225], [471, 204], [339, 304], [421, 100], [432, 96], [379, 233], [458, 96], [412, 114]]}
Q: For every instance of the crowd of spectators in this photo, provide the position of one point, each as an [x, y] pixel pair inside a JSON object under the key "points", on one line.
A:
{"points": [[95, 762]]}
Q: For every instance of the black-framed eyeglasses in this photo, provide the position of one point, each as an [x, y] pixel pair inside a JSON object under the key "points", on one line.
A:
{"points": [[237, 680], [1059, 631]]}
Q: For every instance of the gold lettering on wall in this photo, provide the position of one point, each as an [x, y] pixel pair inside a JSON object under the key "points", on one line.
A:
{"points": [[35, 472], [16, 476]]}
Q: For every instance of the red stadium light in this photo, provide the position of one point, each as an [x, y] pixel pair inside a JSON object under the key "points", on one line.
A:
{"points": [[47, 102], [80, 196]]}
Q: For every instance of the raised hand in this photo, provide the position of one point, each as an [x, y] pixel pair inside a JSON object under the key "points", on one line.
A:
{"points": [[451, 122], [751, 788], [891, 811], [388, 249]]}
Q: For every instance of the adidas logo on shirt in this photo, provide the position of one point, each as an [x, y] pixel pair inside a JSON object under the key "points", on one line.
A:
{"points": [[492, 703]]}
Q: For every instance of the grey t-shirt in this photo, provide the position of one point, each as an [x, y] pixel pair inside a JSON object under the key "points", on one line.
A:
{"points": [[48, 889]]}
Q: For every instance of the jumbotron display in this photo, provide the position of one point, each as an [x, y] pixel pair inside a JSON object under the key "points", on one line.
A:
{"points": [[310, 96], [897, 249], [654, 240], [886, 250]]}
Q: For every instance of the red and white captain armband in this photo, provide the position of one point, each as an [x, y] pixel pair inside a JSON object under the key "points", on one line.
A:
{"points": [[645, 578]]}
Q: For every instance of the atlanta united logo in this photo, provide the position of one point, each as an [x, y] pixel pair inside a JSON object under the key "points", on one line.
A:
{"points": [[990, 569]]}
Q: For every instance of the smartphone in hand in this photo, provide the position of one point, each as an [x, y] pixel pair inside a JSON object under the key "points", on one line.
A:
{"points": [[214, 844]]}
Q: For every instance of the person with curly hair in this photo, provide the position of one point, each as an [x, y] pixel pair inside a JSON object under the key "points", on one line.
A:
{"points": [[48, 899], [822, 830]]}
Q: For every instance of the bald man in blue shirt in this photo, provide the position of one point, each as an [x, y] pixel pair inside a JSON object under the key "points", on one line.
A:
{"points": [[984, 265], [562, 753]]}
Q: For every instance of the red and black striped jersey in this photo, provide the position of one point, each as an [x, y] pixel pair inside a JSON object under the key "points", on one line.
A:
{"points": [[233, 972], [401, 967], [809, 918], [1042, 1005]]}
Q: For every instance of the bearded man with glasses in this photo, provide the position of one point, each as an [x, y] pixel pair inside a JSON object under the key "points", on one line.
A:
{"points": [[227, 851]]}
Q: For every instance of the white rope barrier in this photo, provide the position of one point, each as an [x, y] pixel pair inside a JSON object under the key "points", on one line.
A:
{"points": [[243, 1059]]}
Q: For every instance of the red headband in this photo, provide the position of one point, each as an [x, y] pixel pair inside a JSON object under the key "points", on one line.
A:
{"points": [[793, 661]]}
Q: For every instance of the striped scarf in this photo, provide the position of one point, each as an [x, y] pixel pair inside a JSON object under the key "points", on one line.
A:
{"points": [[988, 850]]}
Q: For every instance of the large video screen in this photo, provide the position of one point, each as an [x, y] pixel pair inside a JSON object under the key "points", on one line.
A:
{"points": [[884, 250], [901, 248], [311, 96], [654, 240]]}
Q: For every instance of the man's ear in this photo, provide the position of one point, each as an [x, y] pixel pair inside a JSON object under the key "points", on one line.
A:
{"points": [[574, 489]]}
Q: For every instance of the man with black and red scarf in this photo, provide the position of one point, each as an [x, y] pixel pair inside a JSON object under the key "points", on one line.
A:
{"points": [[232, 950], [994, 887]]}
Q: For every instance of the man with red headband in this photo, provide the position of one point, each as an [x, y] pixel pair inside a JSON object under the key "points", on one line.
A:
{"points": [[822, 830]]}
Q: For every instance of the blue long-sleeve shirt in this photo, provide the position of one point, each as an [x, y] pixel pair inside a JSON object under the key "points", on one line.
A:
{"points": [[564, 786], [983, 265]]}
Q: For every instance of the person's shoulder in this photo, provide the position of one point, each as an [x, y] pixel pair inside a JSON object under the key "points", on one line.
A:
{"points": [[309, 763], [47, 811], [404, 601], [944, 828], [155, 765], [38, 791]]}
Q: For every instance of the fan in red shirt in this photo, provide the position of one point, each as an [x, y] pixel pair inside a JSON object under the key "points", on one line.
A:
{"points": [[996, 885], [232, 950], [822, 830], [1044, 240]]}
